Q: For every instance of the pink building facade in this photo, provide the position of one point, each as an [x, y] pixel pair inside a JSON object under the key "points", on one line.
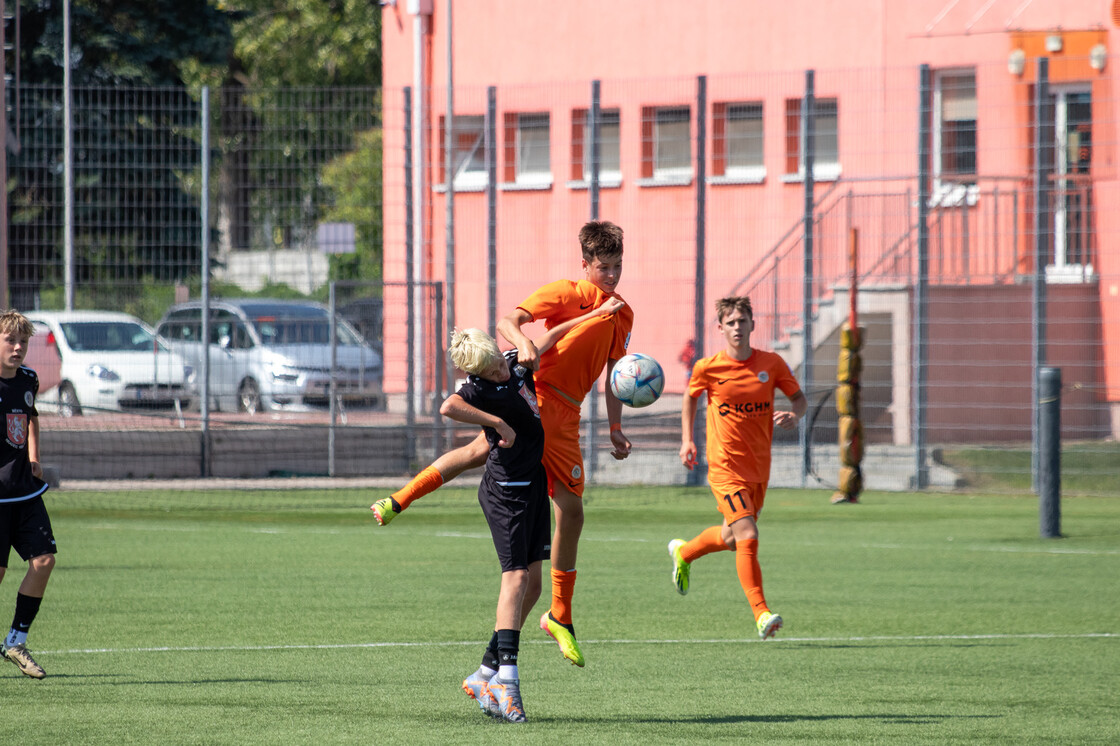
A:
{"points": [[702, 154]]}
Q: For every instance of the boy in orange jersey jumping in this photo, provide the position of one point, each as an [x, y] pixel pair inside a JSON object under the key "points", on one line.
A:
{"points": [[566, 374], [740, 383]]}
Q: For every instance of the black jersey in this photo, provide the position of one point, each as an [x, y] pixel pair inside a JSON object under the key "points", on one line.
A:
{"points": [[515, 401], [17, 406]]}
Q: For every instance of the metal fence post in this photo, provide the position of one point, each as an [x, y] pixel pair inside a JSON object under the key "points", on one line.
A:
{"points": [[492, 208], [921, 284], [809, 148], [593, 127], [1050, 452], [204, 205], [332, 388], [440, 424], [696, 474], [1044, 159], [409, 239]]}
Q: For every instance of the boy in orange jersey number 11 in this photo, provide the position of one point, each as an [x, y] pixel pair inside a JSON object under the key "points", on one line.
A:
{"points": [[740, 383]]}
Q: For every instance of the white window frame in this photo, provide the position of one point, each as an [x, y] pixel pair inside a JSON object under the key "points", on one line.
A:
{"points": [[610, 143], [960, 189], [670, 122], [470, 166], [534, 132], [1059, 270], [740, 122], [823, 170]]}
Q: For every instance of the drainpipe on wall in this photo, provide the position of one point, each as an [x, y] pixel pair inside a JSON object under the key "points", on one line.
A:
{"points": [[421, 12]]}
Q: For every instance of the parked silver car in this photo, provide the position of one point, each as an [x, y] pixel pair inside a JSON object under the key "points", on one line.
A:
{"points": [[274, 354], [108, 360]]}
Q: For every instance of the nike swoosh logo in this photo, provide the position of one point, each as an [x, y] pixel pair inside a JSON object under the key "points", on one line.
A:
{"points": [[584, 308], [573, 485], [724, 380]]}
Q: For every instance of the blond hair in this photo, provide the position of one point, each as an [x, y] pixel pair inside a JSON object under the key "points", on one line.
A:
{"points": [[14, 322], [473, 350]]}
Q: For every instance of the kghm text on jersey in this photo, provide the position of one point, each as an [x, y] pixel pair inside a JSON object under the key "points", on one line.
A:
{"points": [[750, 407]]}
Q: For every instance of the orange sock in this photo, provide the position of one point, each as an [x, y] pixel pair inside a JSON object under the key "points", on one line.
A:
{"points": [[428, 480], [563, 586], [750, 575], [709, 540]]}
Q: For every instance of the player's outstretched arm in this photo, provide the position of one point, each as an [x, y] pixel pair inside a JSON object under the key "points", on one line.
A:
{"points": [[688, 420], [609, 307], [33, 446], [456, 408], [510, 328], [621, 443]]}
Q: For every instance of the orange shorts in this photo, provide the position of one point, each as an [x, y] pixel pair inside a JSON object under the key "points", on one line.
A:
{"points": [[562, 460], [739, 500]]}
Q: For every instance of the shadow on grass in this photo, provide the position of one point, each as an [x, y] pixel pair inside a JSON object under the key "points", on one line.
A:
{"points": [[747, 719], [121, 680]]}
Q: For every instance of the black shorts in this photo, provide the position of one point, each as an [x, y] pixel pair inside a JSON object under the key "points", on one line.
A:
{"points": [[25, 526], [519, 519]]}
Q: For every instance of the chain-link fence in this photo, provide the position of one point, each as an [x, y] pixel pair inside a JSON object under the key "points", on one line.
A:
{"points": [[983, 254]]}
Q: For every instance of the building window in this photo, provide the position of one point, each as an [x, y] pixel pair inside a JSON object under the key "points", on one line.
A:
{"points": [[955, 143], [667, 144], [954, 139], [826, 140], [610, 170], [737, 141], [527, 151], [469, 154]]}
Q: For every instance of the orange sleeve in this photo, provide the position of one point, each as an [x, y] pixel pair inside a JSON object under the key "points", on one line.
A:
{"points": [[623, 327], [548, 300], [698, 381], [785, 380]]}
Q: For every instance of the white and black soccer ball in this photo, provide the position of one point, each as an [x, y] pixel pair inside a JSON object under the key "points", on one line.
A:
{"points": [[637, 380]]}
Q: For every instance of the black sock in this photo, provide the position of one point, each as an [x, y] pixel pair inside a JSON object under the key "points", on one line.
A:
{"points": [[26, 609], [508, 641], [490, 657]]}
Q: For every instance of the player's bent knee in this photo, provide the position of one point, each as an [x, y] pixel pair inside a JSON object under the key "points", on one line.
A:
{"points": [[44, 563]]}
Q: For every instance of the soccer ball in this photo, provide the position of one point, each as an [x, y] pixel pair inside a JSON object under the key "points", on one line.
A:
{"points": [[637, 380]]}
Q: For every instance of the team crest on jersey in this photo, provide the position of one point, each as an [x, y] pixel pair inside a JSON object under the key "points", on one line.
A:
{"points": [[17, 430], [576, 472], [530, 399], [28, 399], [764, 376]]}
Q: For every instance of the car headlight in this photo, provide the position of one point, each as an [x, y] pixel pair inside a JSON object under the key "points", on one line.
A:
{"points": [[285, 374], [101, 373]]}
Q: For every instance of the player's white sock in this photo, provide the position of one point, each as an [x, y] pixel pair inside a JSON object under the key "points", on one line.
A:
{"points": [[508, 673], [15, 637]]}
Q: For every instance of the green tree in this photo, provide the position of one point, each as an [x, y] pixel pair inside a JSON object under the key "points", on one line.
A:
{"points": [[133, 139], [299, 85], [355, 179]]}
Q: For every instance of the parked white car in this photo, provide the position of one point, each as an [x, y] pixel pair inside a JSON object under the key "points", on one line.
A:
{"points": [[110, 361], [274, 354]]}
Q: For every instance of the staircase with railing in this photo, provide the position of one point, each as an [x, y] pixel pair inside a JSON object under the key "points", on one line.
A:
{"points": [[975, 239]]}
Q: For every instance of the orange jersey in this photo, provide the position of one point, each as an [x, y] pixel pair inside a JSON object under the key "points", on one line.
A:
{"points": [[575, 362], [740, 412]]}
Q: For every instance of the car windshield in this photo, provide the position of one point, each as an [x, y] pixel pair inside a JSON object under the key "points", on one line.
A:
{"points": [[295, 331], [108, 336]]}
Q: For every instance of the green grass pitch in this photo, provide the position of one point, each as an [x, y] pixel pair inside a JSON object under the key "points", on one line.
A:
{"points": [[291, 618]]}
